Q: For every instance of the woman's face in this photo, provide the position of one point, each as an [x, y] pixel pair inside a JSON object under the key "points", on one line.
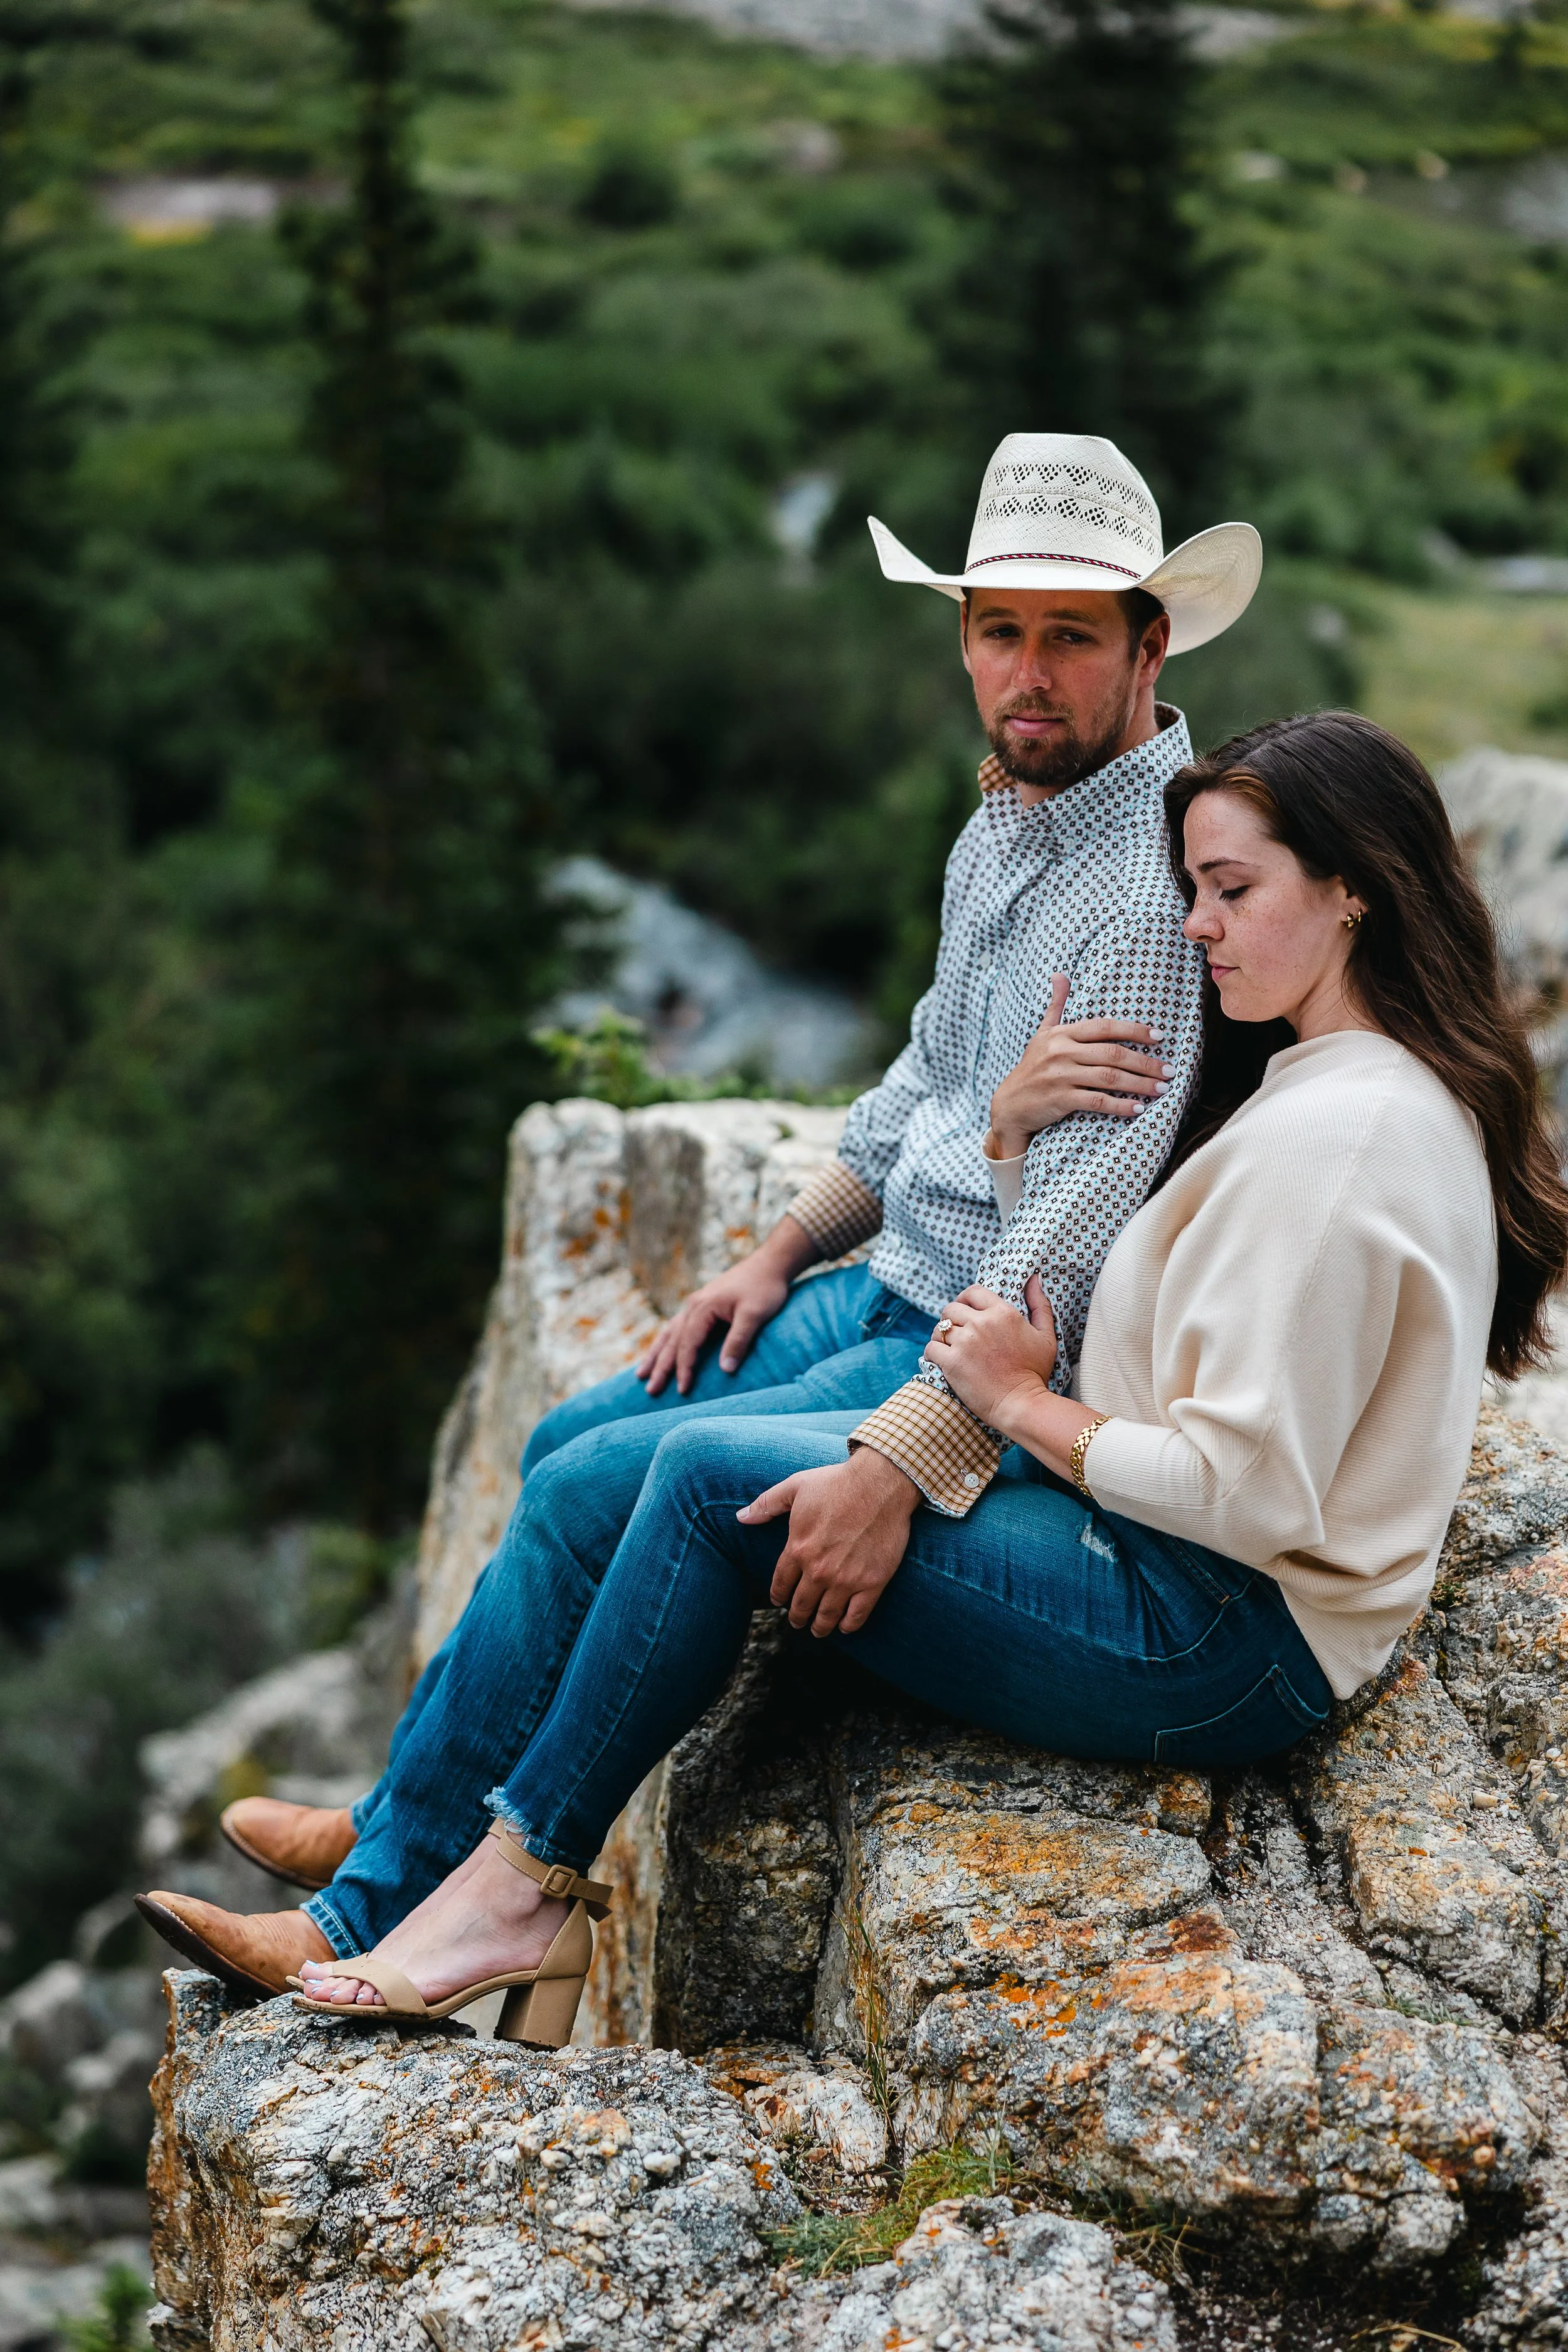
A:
{"points": [[1275, 938]]}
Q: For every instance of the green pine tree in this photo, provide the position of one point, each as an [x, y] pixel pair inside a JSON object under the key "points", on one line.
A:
{"points": [[1085, 302], [406, 948], [75, 1347]]}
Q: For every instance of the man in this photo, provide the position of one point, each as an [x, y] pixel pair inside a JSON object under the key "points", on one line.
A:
{"points": [[1070, 609]]}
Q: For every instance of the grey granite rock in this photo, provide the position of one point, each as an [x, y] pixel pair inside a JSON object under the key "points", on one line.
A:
{"points": [[344, 2184], [347, 2186], [1315, 2008], [974, 2274]]}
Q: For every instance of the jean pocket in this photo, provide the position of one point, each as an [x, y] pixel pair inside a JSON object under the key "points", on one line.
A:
{"points": [[1272, 1715]]}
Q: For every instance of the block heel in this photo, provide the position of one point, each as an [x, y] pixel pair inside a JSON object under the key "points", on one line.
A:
{"points": [[543, 2013]]}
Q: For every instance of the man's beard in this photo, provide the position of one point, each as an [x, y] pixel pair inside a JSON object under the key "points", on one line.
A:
{"points": [[1063, 758]]}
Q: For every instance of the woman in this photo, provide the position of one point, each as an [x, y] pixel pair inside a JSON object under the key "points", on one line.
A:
{"points": [[1240, 1510]]}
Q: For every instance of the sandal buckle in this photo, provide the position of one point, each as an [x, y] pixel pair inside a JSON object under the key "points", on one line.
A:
{"points": [[558, 1879]]}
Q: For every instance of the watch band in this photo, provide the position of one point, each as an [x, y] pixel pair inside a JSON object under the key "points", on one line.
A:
{"points": [[1080, 1448]]}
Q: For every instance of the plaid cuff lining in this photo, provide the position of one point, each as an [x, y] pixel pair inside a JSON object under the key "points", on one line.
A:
{"points": [[836, 1210], [936, 1441]]}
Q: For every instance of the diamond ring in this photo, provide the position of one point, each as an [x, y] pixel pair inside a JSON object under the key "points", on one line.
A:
{"points": [[945, 1325]]}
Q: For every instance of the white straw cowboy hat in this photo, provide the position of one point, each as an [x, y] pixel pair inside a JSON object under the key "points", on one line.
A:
{"points": [[1068, 511]]}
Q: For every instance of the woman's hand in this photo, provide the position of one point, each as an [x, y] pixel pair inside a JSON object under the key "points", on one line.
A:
{"points": [[988, 1353], [1094, 1066]]}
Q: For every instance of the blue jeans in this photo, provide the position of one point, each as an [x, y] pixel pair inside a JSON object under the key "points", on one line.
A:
{"points": [[1063, 1626], [841, 1343], [599, 1635]]}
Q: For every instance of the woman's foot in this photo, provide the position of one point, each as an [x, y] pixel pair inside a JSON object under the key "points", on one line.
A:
{"points": [[486, 1920]]}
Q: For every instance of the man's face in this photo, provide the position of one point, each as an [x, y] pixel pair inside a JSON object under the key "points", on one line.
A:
{"points": [[1057, 680]]}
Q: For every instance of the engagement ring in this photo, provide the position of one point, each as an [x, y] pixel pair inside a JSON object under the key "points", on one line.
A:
{"points": [[945, 1325]]}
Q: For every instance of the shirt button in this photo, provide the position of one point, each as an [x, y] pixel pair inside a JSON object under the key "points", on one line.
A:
{"points": [[985, 962], [971, 1478]]}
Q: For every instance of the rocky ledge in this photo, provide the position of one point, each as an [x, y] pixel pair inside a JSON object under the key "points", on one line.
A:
{"points": [[1306, 2024], [1315, 2013], [318, 2185]]}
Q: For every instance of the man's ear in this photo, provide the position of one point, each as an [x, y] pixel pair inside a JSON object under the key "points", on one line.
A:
{"points": [[1153, 646], [963, 634]]}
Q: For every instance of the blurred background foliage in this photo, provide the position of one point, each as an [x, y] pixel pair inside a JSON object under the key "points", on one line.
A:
{"points": [[497, 491]]}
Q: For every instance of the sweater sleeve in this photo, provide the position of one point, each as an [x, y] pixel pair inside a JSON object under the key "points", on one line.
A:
{"points": [[1280, 1311]]}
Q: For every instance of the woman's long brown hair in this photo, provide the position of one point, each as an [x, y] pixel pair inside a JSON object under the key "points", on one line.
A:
{"points": [[1349, 799]]}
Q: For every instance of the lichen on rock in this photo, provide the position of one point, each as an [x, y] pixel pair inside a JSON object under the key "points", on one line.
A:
{"points": [[1314, 2012], [384, 2191], [357, 2186]]}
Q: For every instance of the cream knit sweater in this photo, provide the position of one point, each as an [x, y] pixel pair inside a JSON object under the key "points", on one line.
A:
{"points": [[1291, 1337]]}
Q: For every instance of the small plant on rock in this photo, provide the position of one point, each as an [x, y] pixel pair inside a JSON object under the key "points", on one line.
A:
{"points": [[825, 2243]]}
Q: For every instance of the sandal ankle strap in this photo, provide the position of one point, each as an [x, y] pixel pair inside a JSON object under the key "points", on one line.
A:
{"points": [[553, 1877]]}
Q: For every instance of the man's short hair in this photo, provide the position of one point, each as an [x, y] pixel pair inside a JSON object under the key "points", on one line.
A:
{"points": [[1137, 607], [1140, 608]]}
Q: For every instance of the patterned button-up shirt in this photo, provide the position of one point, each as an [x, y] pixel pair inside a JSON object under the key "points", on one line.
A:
{"points": [[1078, 883]]}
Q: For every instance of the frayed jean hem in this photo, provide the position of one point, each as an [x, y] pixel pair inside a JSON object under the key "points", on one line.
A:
{"points": [[542, 1849]]}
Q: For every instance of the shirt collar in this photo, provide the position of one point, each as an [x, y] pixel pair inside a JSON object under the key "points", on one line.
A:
{"points": [[1092, 801]]}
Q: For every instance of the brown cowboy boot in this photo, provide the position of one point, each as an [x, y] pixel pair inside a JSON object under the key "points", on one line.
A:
{"points": [[255, 1953], [301, 1844]]}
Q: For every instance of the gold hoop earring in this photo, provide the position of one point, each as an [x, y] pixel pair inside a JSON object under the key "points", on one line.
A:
{"points": [[1350, 922]]}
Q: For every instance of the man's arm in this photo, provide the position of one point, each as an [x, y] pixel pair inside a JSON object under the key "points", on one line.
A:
{"points": [[835, 1210], [842, 1205], [1083, 1182], [838, 1209]]}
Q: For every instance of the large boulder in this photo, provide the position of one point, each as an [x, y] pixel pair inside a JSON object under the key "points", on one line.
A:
{"points": [[1510, 811], [610, 1219], [318, 2185], [1314, 2012]]}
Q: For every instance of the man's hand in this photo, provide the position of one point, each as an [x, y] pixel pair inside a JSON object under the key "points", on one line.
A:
{"points": [[745, 1298], [1094, 1066], [989, 1353], [849, 1527]]}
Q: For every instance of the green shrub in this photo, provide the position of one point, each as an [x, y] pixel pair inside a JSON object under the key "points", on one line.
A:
{"points": [[118, 2324]]}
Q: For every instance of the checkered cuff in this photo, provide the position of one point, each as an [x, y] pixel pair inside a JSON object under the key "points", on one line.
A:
{"points": [[936, 1441], [836, 1210]]}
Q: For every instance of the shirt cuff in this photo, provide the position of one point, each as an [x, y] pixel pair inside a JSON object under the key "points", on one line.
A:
{"points": [[836, 1210], [936, 1441], [1006, 1182]]}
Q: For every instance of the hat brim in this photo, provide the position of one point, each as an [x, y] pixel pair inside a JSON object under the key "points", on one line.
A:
{"points": [[1204, 584]]}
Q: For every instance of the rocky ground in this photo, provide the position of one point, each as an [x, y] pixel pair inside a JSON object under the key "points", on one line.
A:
{"points": [[1275, 2059], [1227, 2063], [355, 2187]]}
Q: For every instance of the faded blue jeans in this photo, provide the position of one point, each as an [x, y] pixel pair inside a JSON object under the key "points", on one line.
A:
{"points": [[599, 1636], [841, 1343]]}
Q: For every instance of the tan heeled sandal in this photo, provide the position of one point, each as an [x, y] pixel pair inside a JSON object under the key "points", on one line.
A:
{"points": [[540, 2004]]}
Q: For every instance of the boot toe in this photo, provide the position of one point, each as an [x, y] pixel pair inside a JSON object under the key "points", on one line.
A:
{"points": [[301, 1844], [253, 1953]]}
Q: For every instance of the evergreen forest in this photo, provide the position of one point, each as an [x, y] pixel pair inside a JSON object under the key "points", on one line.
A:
{"points": [[436, 513]]}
